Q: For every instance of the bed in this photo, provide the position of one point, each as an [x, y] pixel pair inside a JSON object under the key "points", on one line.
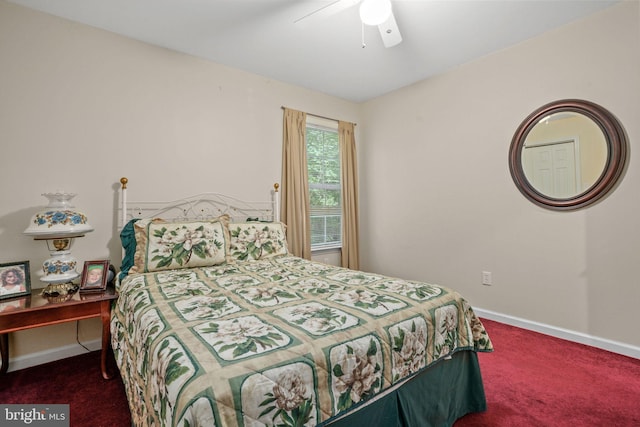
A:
{"points": [[216, 324]]}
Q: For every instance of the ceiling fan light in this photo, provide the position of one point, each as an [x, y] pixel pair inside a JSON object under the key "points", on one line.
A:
{"points": [[375, 12]]}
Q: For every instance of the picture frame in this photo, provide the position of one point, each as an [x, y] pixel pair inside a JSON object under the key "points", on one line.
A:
{"points": [[94, 276], [15, 279]]}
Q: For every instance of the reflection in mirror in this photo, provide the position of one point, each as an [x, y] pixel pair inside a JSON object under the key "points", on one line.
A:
{"points": [[564, 154], [567, 154]]}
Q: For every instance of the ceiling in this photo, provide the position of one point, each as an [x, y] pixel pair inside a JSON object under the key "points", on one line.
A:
{"points": [[326, 55]]}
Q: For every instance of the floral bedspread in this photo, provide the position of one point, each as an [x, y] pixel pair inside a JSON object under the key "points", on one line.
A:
{"points": [[281, 341]]}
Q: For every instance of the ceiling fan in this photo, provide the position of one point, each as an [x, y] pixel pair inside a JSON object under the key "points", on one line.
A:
{"points": [[372, 12]]}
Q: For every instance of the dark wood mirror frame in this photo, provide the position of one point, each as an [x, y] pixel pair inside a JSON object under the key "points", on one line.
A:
{"points": [[615, 164]]}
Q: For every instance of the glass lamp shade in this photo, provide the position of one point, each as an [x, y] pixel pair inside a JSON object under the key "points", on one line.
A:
{"points": [[58, 224], [375, 12], [58, 220]]}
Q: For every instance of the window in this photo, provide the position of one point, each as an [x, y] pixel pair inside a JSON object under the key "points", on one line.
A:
{"points": [[323, 162]]}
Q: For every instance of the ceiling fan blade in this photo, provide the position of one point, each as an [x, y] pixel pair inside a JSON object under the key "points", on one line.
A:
{"points": [[329, 9], [390, 32]]}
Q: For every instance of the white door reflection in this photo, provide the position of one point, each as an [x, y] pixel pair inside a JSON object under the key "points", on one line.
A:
{"points": [[564, 155], [553, 168]]}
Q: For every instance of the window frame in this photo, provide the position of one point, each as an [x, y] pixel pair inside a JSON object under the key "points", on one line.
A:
{"points": [[330, 126]]}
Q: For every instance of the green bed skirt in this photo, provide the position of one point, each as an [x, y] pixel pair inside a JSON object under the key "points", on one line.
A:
{"points": [[436, 397]]}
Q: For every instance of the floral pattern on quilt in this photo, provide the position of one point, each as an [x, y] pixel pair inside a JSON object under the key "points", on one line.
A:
{"points": [[241, 337], [180, 289], [446, 333], [279, 341], [271, 272], [205, 307], [201, 411], [478, 332], [409, 351], [314, 286], [356, 371], [286, 398], [349, 277], [317, 319], [373, 303], [184, 276], [267, 296], [220, 270], [150, 325], [415, 290], [307, 268], [168, 376], [238, 281]]}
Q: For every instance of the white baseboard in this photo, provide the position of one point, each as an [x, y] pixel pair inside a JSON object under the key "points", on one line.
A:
{"points": [[579, 337], [40, 357]]}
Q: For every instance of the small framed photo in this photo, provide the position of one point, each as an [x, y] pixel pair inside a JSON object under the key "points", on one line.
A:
{"points": [[94, 276], [15, 279]]}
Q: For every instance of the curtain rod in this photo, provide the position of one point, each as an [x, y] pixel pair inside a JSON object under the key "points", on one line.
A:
{"points": [[316, 115]]}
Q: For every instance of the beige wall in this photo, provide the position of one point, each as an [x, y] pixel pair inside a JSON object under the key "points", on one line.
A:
{"points": [[441, 205], [81, 107]]}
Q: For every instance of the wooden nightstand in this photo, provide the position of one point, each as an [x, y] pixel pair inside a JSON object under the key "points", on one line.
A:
{"points": [[34, 310]]}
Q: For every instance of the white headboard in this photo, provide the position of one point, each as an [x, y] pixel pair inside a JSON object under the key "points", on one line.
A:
{"points": [[200, 206]]}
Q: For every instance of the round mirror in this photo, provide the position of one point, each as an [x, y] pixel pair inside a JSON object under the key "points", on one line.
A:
{"points": [[567, 154]]}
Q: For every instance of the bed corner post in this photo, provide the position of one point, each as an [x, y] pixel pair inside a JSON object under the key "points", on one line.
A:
{"points": [[123, 200], [276, 202]]}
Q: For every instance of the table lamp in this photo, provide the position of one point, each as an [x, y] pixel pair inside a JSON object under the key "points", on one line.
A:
{"points": [[59, 224]]}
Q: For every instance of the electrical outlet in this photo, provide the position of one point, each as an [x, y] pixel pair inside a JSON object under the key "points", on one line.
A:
{"points": [[486, 278]]}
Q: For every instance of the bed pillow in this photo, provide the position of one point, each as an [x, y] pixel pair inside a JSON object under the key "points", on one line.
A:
{"points": [[163, 245], [257, 240]]}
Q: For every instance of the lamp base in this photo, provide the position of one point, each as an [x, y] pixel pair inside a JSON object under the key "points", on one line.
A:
{"points": [[59, 289]]}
